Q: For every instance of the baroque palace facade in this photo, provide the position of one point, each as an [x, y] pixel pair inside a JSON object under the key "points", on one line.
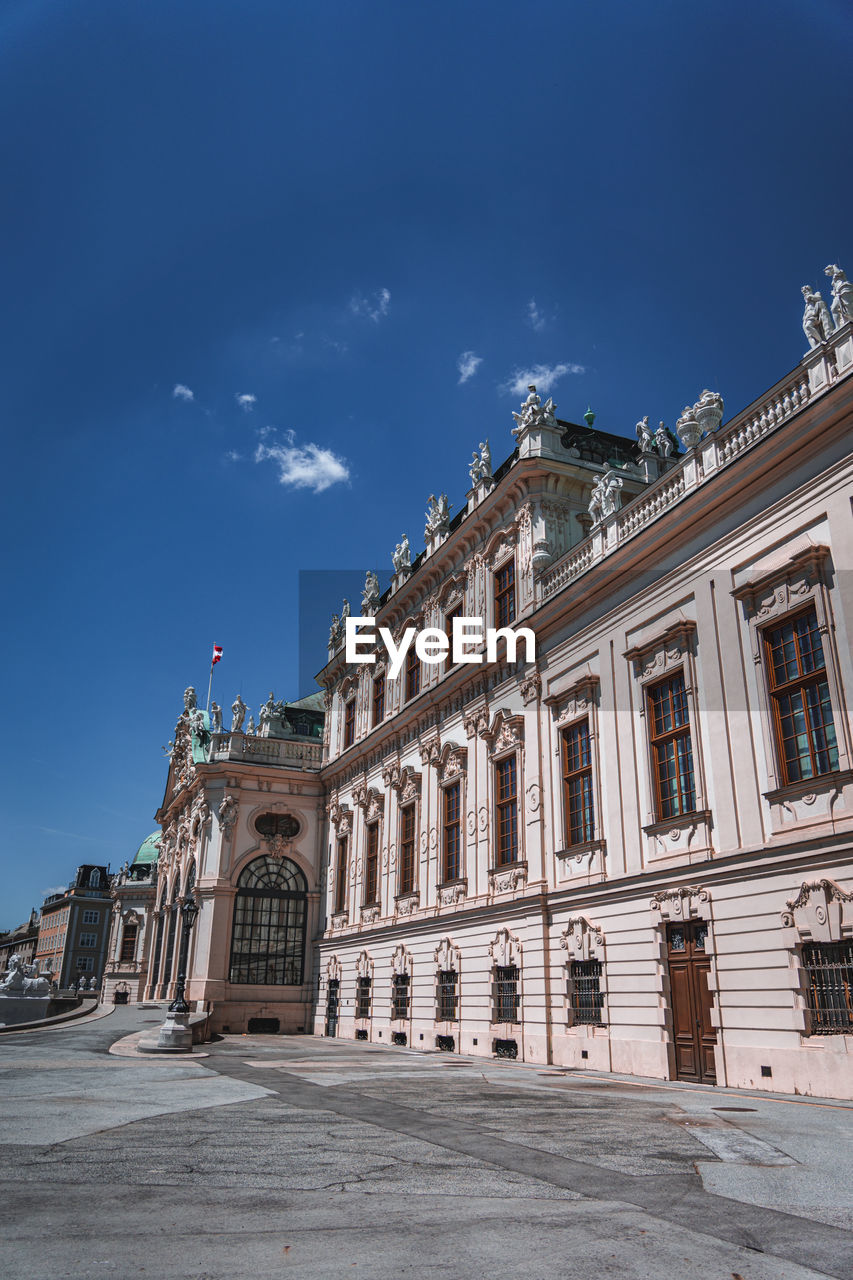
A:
{"points": [[631, 854]]}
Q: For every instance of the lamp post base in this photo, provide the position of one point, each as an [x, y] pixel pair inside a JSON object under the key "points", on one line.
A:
{"points": [[175, 1034]]}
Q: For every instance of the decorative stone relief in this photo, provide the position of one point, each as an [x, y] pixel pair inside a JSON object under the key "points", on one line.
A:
{"points": [[447, 955], [227, 813], [408, 905], [430, 750], [476, 722], [505, 733], [530, 687], [821, 912], [782, 589], [404, 780], [451, 895], [656, 657], [582, 940], [369, 915], [333, 969], [508, 879], [364, 966], [368, 799], [401, 960], [505, 949], [573, 703], [687, 902], [534, 797], [452, 762], [340, 817]]}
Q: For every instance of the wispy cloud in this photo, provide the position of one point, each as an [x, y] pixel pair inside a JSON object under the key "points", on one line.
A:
{"points": [[544, 376], [535, 318], [233, 456], [468, 364], [307, 466], [373, 306], [180, 392], [246, 401]]}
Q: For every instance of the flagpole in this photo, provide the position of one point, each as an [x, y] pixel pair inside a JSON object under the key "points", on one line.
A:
{"points": [[209, 687]]}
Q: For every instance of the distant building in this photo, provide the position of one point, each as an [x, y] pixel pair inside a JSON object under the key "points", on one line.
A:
{"points": [[74, 929], [132, 925], [21, 941]]}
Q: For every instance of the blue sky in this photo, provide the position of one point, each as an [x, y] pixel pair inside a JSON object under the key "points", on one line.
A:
{"points": [[327, 208]]}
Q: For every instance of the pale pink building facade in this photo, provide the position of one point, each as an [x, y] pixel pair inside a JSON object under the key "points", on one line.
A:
{"points": [[634, 854]]}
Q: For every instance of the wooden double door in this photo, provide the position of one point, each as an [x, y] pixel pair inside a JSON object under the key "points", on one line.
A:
{"points": [[693, 1035]]}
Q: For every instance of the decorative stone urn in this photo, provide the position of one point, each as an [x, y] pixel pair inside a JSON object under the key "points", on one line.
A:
{"points": [[688, 429], [708, 411]]}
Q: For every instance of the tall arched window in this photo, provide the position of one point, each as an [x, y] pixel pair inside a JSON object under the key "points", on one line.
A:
{"points": [[170, 940], [268, 936], [158, 947]]}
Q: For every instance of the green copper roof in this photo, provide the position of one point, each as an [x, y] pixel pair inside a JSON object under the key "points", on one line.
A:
{"points": [[147, 851]]}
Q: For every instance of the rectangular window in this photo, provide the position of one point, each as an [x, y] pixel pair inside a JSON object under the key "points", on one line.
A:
{"points": [[829, 966], [505, 595], [452, 868], [446, 996], [85, 964], [362, 1000], [413, 674], [88, 940], [802, 713], [407, 849], [341, 876], [671, 747], [507, 811], [128, 943], [506, 993], [349, 723], [585, 997], [91, 917], [400, 995], [371, 874], [378, 700], [577, 784]]}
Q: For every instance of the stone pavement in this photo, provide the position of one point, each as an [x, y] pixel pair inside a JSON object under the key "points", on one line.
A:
{"points": [[310, 1158]]}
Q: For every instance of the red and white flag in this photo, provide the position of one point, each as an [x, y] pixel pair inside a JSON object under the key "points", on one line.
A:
{"points": [[217, 655]]}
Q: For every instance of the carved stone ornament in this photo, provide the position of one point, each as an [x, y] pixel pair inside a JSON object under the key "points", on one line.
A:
{"points": [[364, 965], [451, 895], [582, 940], [505, 733], [656, 656], [368, 799], [452, 762], [534, 797], [333, 969], [340, 920], [340, 816], [476, 722], [408, 905], [508, 879], [505, 949], [447, 955], [821, 912], [369, 915], [534, 413], [227, 813], [403, 779], [430, 750], [401, 960], [687, 902], [573, 703], [530, 687], [780, 590]]}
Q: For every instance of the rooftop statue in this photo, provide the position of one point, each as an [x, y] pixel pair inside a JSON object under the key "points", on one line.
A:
{"points": [[250, 727], [480, 467], [842, 295], [401, 557], [345, 611], [475, 469], [645, 436], [23, 979], [438, 515], [817, 322], [215, 717], [335, 631], [370, 594], [238, 714], [534, 413], [190, 701], [267, 710], [664, 441]]}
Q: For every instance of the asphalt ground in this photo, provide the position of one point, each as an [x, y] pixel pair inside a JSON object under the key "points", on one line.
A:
{"points": [[304, 1157]]}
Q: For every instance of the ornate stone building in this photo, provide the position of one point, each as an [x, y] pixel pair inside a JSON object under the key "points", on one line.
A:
{"points": [[632, 852], [131, 934]]}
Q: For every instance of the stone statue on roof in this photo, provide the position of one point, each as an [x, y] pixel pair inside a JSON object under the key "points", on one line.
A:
{"points": [[645, 436], [190, 701], [480, 467], [238, 714], [370, 594], [817, 322], [842, 295], [215, 717], [664, 441], [534, 413], [401, 557], [438, 515]]}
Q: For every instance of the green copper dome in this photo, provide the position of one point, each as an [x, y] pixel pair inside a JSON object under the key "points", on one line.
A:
{"points": [[147, 851]]}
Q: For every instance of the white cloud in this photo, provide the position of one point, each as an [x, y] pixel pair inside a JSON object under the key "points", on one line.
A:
{"points": [[373, 307], [306, 466], [535, 318], [180, 392], [545, 377], [233, 456], [468, 364], [246, 401]]}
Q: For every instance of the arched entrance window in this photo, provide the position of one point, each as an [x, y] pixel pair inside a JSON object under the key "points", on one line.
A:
{"points": [[268, 935]]}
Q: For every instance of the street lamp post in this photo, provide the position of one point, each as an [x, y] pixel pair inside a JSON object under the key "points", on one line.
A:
{"points": [[176, 1034]]}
